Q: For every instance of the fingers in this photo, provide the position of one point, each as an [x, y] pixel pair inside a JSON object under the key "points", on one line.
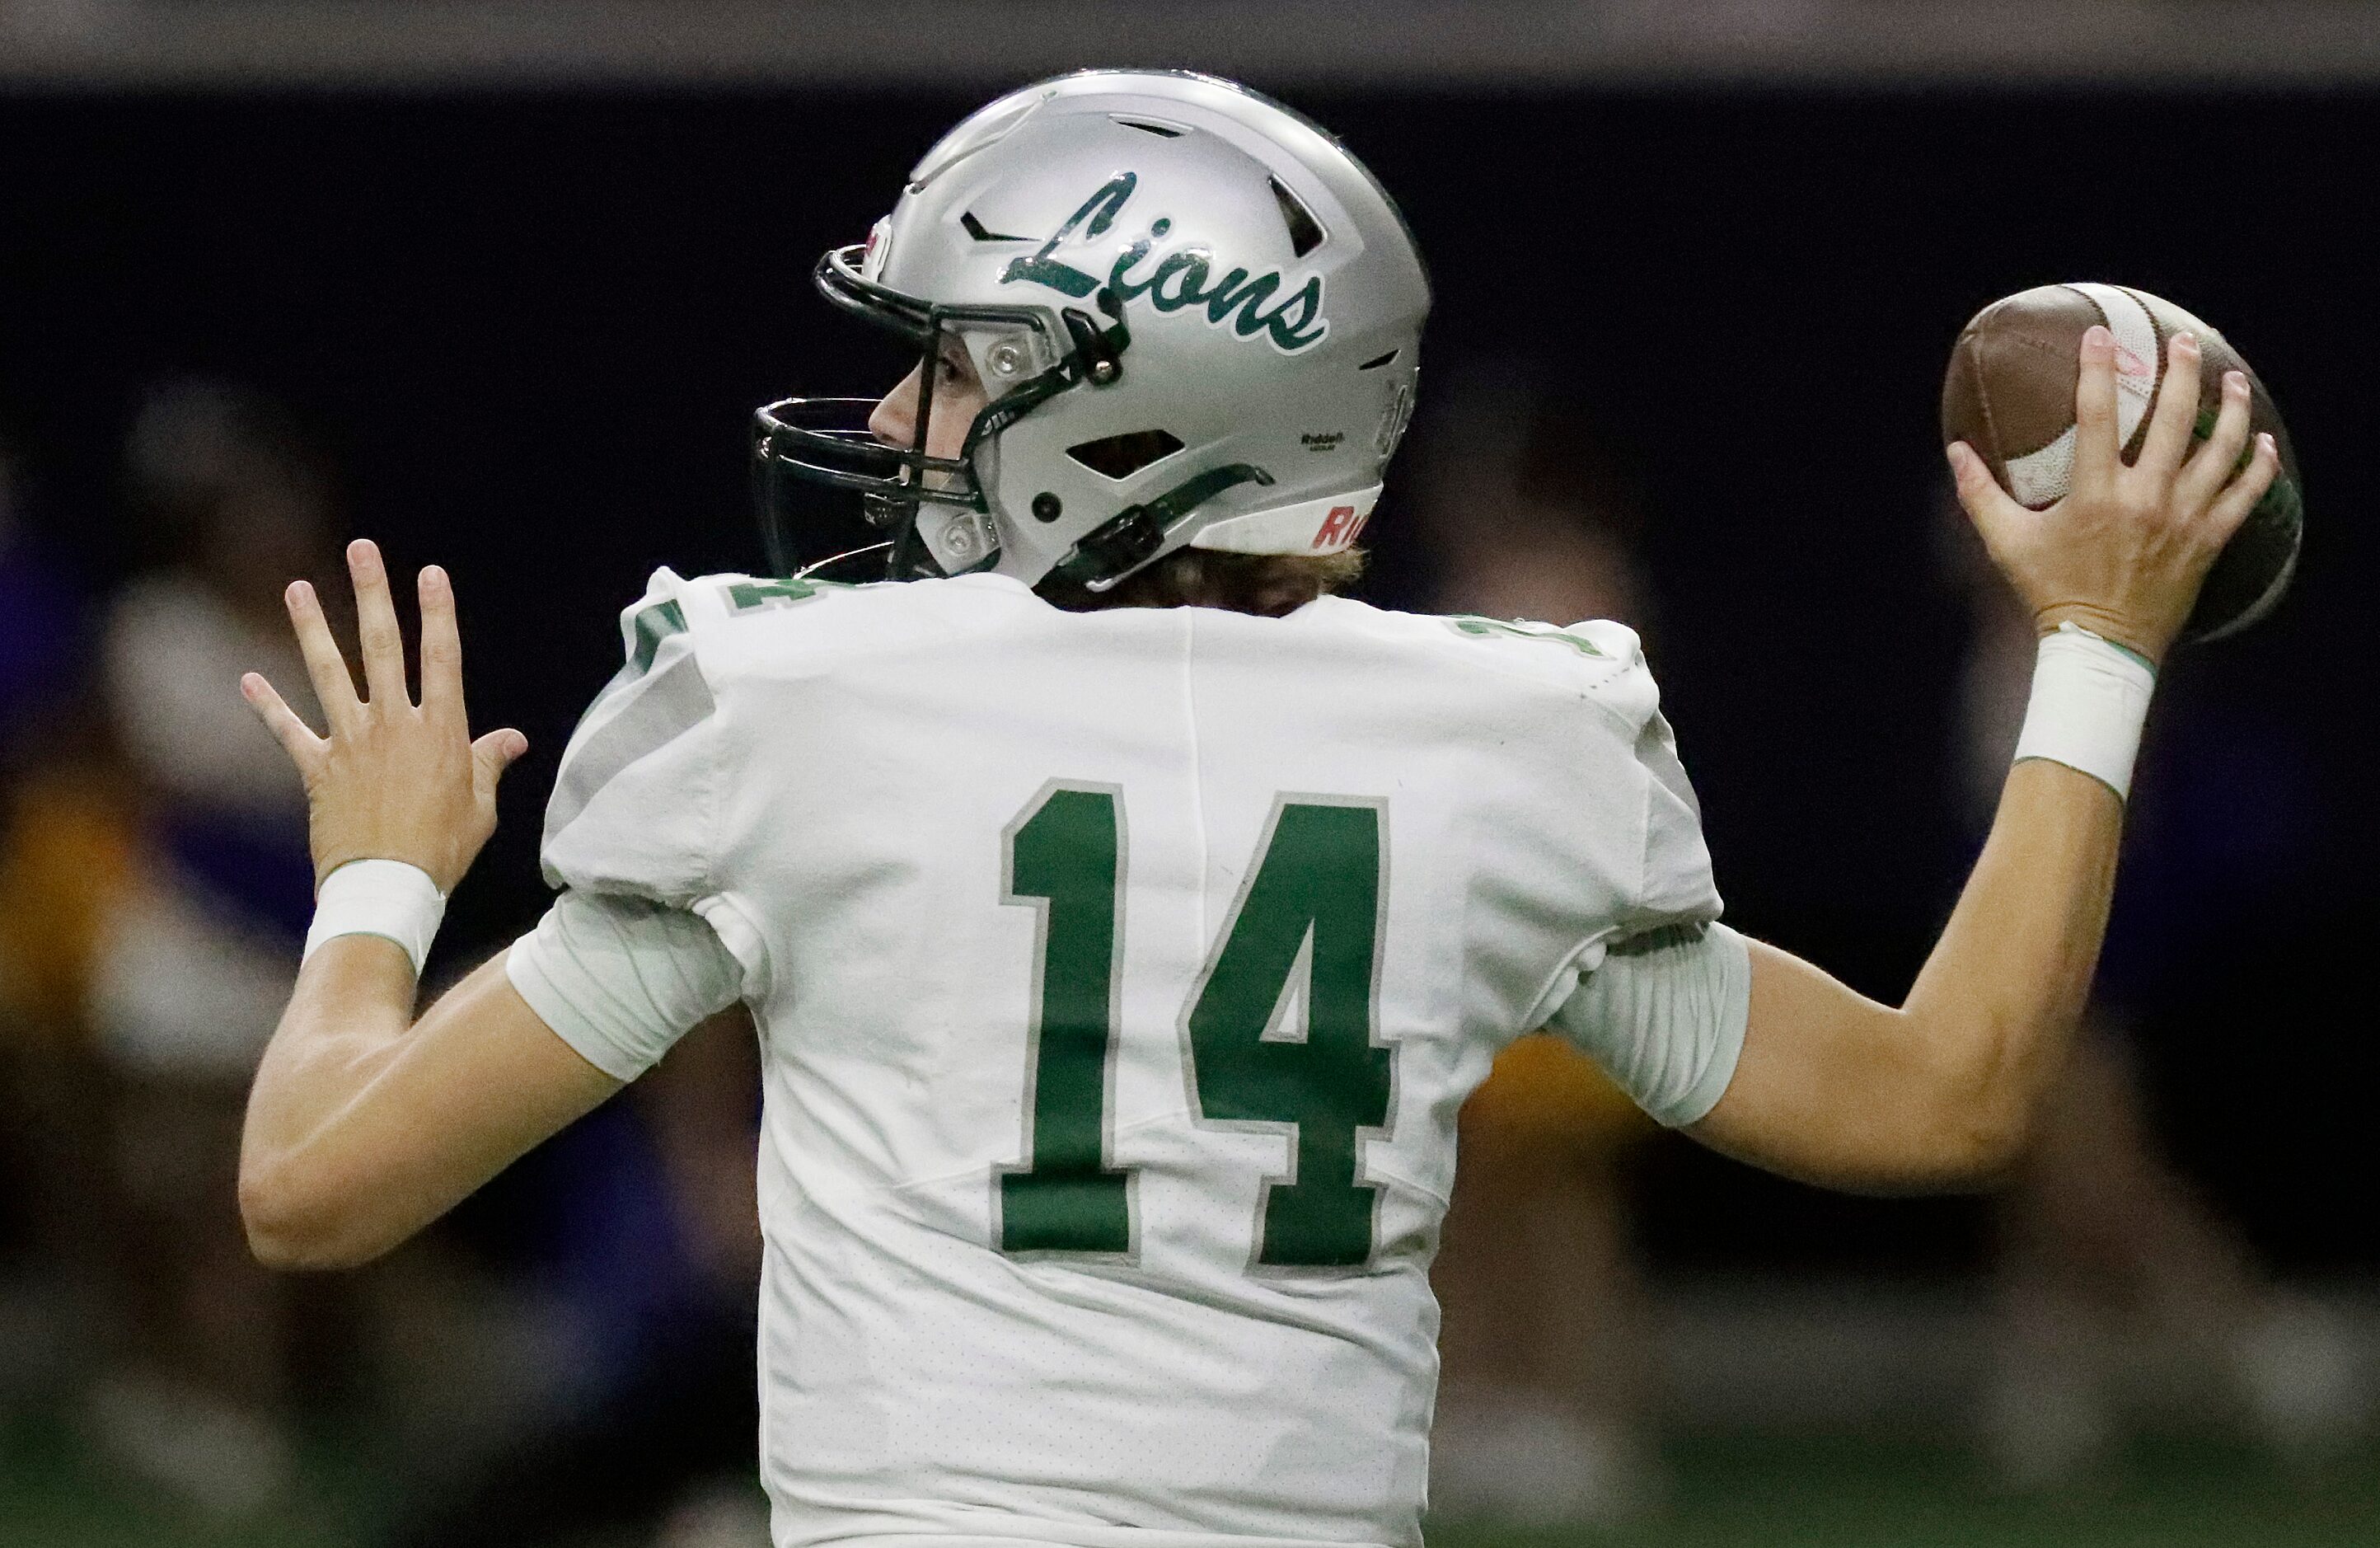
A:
{"points": [[376, 623], [296, 738], [2224, 451], [1993, 510], [2177, 409], [2097, 453], [2232, 506], [490, 756], [324, 664], [441, 648]]}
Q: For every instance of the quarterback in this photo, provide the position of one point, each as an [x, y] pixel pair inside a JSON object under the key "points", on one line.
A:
{"points": [[1123, 914]]}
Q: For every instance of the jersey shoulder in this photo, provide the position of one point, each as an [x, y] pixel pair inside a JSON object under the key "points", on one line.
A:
{"points": [[634, 796], [736, 625], [1598, 660]]}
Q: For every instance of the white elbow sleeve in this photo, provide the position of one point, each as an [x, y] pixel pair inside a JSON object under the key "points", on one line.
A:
{"points": [[1664, 1016], [620, 979]]}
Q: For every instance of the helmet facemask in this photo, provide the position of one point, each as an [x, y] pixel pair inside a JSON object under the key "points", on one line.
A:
{"points": [[831, 494]]}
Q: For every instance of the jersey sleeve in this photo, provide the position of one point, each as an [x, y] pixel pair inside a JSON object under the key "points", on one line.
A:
{"points": [[635, 802], [622, 979], [1674, 883], [1671, 864], [1660, 1002]]}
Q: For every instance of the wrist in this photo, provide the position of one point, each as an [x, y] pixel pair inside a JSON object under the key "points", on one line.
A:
{"points": [[2101, 623], [394, 899], [2089, 701], [330, 859]]}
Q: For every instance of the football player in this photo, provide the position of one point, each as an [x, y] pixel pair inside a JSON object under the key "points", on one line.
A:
{"points": [[1124, 915]]}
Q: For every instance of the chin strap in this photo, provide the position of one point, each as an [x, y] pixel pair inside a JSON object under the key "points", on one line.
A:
{"points": [[1121, 545]]}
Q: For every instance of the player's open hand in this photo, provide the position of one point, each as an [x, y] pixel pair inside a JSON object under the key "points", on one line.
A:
{"points": [[393, 780], [2123, 553]]}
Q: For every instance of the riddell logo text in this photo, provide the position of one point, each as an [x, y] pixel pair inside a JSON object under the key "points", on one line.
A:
{"points": [[1338, 529]]}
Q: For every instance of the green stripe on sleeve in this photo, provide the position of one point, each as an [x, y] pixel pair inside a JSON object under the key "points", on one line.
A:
{"points": [[654, 625]]}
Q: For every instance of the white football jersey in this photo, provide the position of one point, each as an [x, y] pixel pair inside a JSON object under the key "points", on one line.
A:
{"points": [[1119, 975]]}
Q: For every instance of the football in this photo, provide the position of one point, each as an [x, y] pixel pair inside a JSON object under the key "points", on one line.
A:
{"points": [[2010, 394]]}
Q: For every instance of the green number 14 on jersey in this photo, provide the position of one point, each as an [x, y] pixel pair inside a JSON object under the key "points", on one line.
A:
{"points": [[1281, 1033]]}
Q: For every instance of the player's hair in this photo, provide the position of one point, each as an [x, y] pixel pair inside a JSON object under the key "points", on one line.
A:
{"points": [[1266, 584]]}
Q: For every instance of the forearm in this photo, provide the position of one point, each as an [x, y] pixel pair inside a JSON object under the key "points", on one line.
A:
{"points": [[1998, 1001], [1836, 1089], [363, 1129], [346, 1018]]}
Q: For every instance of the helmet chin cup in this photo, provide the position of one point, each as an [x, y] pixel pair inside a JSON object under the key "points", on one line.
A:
{"points": [[957, 541]]}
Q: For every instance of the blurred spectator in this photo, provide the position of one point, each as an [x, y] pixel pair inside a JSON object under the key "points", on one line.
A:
{"points": [[1542, 1396], [238, 503], [2111, 1262], [63, 859], [199, 950], [42, 950], [636, 1241]]}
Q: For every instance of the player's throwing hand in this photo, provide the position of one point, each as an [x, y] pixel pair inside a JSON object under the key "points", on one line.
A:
{"points": [[393, 780], [2123, 553]]}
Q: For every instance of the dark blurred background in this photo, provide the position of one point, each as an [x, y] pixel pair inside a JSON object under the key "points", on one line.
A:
{"points": [[1692, 310]]}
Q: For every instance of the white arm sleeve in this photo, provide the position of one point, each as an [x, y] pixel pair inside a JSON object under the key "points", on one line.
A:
{"points": [[1664, 1016], [622, 979]]}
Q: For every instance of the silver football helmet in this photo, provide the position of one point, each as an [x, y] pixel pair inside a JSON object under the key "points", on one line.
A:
{"points": [[1196, 318]]}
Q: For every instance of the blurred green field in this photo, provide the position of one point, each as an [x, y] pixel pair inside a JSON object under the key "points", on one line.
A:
{"points": [[1886, 1494], [1846, 1492]]}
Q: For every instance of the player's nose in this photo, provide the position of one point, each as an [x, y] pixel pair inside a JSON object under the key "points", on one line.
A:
{"points": [[895, 421]]}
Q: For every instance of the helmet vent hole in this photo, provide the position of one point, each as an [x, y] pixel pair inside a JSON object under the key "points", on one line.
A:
{"points": [[1162, 131], [1304, 231], [1119, 456], [1377, 362], [980, 232]]}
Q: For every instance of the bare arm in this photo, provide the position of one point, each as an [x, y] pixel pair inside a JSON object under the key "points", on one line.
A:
{"points": [[364, 1126], [1838, 1089], [1834, 1088]]}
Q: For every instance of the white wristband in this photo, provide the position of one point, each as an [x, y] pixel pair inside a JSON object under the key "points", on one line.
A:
{"points": [[2090, 699], [388, 898]]}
